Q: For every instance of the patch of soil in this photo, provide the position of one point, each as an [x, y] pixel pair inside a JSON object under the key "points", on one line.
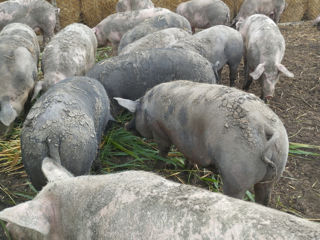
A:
{"points": [[296, 101]]}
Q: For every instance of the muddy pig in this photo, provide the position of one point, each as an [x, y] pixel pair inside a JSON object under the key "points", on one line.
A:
{"points": [[264, 48], [154, 24], [130, 5], [71, 52], [19, 54], [101, 206], [316, 22], [219, 44], [204, 13], [159, 39], [115, 25], [215, 125], [271, 8], [66, 124], [38, 14], [130, 76]]}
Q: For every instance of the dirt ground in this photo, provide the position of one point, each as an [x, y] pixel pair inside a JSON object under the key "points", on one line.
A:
{"points": [[296, 101]]}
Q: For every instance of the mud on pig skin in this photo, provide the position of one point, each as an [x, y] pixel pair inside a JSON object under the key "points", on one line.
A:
{"points": [[154, 24], [71, 52], [38, 14], [215, 125], [19, 54], [112, 28], [66, 124], [130, 5], [100, 207]]}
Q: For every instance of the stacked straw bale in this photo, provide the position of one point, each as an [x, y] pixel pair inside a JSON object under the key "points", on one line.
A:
{"points": [[295, 11], [94, 11], [313, 9], [170, 4], [70, 11], [91, 12]]}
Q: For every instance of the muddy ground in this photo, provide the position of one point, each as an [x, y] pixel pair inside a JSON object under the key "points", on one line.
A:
{"points": [[296, 101]]}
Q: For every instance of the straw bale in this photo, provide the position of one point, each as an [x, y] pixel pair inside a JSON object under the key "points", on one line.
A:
{"points": [[313, 9], [94, 11], [70, 11], [170, 4], [294, 11]]}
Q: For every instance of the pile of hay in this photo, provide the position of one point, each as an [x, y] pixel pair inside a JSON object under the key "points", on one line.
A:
{"points": [[91, 12], [294, 11], [313, 9]]}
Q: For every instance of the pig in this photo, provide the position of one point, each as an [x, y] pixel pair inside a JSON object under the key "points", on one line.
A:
{"points": [[316, 22], [215, 126], [159, 39], [130, 5], [154, 24], [115, 25], [19, 54], [38, 14], [219, 44], [148, 206], [270, 8], [264, 48], [71, 52], [204, 13], [130, 76], [66, 124]]}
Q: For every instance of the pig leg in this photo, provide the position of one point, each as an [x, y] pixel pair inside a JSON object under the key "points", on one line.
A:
{"points": [[247, 78], [262, 192], [233, 69]]}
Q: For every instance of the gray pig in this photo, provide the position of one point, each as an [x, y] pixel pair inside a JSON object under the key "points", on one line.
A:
{"points": [[19, 54], [115, 25], [204, 13], [316, 22], [159, 39], [148, 207], [130, 76], [220, 45], [71, 52], [264, 48], [271, 8], [154, 24], [130, 5], [215, 125], [38, 14], [66, 123]]}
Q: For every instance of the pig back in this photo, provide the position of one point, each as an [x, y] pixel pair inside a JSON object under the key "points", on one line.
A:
{"points": [[66, 123], [206, 121], [154, 24], [130, 76]]}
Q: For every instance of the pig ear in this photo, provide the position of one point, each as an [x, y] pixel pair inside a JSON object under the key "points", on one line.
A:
{"points": [[54, 171], [128, 104], [7, 114], [257, 72], [32, 215], [284, 70]]}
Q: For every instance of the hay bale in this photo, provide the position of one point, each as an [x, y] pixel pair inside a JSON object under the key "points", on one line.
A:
{"points": [[294, 11], [70, 11], [94, 11], [170, 4], [313, 9]]}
